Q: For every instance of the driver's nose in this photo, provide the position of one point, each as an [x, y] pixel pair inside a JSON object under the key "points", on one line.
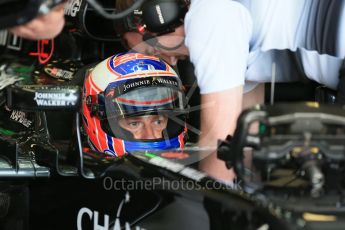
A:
{"points": [[149, 133]]}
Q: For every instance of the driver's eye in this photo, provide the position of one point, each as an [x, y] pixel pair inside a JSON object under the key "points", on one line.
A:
{"points": [[133, 124], [158, 122]]}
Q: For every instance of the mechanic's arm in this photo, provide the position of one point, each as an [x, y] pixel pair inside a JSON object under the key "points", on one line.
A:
{"points": [[219, 47], [43, 27], [218, 119]]}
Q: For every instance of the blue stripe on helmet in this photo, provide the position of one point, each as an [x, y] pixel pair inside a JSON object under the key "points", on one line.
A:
{"points": [[110, 143], [154, 145]]}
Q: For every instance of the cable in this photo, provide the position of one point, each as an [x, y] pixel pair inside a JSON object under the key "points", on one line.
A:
{"points": [[113, 16], [273, 81]]}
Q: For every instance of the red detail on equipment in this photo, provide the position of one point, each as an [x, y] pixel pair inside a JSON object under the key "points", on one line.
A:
{"points": [[175, 155], [44, 57], [141, 28]]}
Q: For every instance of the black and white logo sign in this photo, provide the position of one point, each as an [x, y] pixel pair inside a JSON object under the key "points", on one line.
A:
{"points": [[94, 217], [20, 117], [59, 73], [72, 7], [55, 99], [160, 15]]}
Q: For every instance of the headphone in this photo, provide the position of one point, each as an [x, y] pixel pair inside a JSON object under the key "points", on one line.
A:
{"points": [[163, 16], [158, 16]]}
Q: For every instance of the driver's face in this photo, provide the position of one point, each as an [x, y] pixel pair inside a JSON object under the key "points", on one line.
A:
{"points": [[145, 127]]}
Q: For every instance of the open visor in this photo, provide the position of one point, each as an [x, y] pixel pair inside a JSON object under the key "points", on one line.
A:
{"points": [[161, 95], [144, 96]]}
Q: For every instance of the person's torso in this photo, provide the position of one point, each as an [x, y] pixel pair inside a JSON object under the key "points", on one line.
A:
{"points": [[313, 29]]}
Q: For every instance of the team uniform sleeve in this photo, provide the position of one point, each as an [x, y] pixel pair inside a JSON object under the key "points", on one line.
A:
{"points": [[218, 35]]}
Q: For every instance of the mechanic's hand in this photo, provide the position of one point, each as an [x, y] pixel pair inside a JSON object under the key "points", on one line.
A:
{"points": [[43, 27]]}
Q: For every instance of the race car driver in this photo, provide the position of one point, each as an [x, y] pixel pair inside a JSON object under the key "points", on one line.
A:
{"points": [[133, 102]]}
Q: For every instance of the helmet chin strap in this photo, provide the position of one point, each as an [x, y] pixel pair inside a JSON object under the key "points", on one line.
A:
{"points": [[153, 41]]}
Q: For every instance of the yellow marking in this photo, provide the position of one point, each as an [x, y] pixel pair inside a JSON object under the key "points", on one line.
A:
{"points": [[318, 217]]}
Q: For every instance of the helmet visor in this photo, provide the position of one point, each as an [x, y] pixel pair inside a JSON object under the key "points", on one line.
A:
{"points": [[161, 95], [132, 98]]}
